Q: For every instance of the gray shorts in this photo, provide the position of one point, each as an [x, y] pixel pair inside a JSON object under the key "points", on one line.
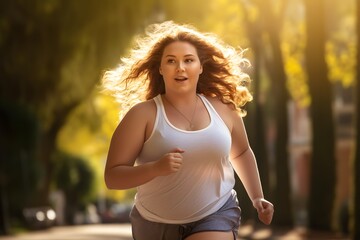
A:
{"points": [[226, 219]]}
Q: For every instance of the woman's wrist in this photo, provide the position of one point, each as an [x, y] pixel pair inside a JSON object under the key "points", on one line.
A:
{"points": [[258, 199]]}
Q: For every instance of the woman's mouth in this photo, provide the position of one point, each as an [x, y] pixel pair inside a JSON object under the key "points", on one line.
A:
{"points": [[181, 79]]}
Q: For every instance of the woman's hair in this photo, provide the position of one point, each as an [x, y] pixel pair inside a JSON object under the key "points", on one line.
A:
{"points": [[137, 78]]}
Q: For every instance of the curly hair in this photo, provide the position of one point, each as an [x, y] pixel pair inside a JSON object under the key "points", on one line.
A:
{"points": [[137, 78]]}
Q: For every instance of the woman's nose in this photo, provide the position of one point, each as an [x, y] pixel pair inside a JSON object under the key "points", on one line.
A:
{"points": [[180, 67]]}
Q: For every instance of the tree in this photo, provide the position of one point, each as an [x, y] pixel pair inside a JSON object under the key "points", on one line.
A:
{"points": [[322, 175], [255, 121], [74, 176], [52, 54], [275, 66], [270, 26], [17, 165], [355, 213]]}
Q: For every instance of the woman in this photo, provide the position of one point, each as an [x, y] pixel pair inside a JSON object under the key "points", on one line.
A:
{"points": [[181, 145]]}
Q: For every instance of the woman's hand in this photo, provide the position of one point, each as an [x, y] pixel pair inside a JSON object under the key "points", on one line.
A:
{"points": [[265, 210], [169, 163]]}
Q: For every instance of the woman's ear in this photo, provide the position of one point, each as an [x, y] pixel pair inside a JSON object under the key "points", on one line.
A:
{"points": [[160, 71]]}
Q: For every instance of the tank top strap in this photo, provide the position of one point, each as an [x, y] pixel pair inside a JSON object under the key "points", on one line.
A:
{"points": [[159, 111], [158, 102], [161, 118], [214, 115]]}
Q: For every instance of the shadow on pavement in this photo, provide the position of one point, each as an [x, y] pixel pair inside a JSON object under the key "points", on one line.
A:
{"points": [[79, 232], [247, 232]]}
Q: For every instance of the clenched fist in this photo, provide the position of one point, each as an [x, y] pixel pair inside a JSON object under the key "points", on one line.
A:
{"points": [[265, 210], [170, 163]]}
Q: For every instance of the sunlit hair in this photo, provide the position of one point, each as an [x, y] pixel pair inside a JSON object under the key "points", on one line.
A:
{"points": [[137, 78]]}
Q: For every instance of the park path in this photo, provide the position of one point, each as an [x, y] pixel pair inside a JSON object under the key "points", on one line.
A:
{"points": [[80, 232], [123, 232]]}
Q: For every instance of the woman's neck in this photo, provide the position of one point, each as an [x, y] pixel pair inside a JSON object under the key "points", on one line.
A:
{"points": [[181, 99]]}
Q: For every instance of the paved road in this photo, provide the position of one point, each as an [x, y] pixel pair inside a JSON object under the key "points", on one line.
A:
{"points": [[83, 232], [123, 232]]}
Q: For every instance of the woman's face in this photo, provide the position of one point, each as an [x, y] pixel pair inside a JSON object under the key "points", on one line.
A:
{"points": [[180, 67]]}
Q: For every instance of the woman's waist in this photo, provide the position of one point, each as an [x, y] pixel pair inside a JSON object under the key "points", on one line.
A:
{"points": [[180, 208]]}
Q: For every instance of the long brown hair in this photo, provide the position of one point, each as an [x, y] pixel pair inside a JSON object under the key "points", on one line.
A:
{"points": [[137, 77]]}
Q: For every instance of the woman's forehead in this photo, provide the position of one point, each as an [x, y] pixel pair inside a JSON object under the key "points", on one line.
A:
{"points": [[180, 48]]}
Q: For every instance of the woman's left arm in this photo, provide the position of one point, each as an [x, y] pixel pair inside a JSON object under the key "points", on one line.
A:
{"points": [[245, 166]]}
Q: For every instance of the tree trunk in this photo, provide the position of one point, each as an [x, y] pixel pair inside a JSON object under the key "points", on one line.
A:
{"points": [[322, 168], [283, 216], [3, 195], [48, 147], [4, 228], [255, 120], [355, 214], [270, 24], [282, 195]]}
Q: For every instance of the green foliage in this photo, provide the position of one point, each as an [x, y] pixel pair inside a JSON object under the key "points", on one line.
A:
{"points": [[74, 176], [52, 54], [205, 15], [341, 44]]}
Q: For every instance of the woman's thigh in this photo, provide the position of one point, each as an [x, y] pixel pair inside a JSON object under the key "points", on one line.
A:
{"points": [[143, 229]]}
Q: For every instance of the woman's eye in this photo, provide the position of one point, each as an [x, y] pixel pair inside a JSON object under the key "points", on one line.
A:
{"points": [[170, 61], [189, 60]]}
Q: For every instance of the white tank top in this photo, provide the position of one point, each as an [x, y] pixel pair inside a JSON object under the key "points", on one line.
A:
{"points": [[204, 182]]}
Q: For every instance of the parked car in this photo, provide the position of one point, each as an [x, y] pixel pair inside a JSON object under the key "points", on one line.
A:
{"points": [[116, 213], [39, 217]]}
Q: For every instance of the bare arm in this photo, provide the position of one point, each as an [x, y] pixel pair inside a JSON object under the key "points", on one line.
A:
{"points": [[241, 155], [125, 146], [243, 160], [244, 163]]}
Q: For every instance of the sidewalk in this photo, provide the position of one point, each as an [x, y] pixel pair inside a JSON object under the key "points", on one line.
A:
{"points": [[79, 232], [247, 232], [123, 232]]}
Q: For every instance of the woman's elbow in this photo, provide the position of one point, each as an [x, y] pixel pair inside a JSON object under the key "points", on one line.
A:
{"points": [[110, 182]]}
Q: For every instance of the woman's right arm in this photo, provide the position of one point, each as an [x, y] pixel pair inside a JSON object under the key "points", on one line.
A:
{"points": [[125, 146]]}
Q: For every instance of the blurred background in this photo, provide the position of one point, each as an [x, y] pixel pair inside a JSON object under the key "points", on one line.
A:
{"points": [[56, 124]]}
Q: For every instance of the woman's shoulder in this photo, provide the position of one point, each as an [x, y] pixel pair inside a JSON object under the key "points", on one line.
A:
{"points": [[144, 108], [226, 111], [219, 105], [138, 118]]}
